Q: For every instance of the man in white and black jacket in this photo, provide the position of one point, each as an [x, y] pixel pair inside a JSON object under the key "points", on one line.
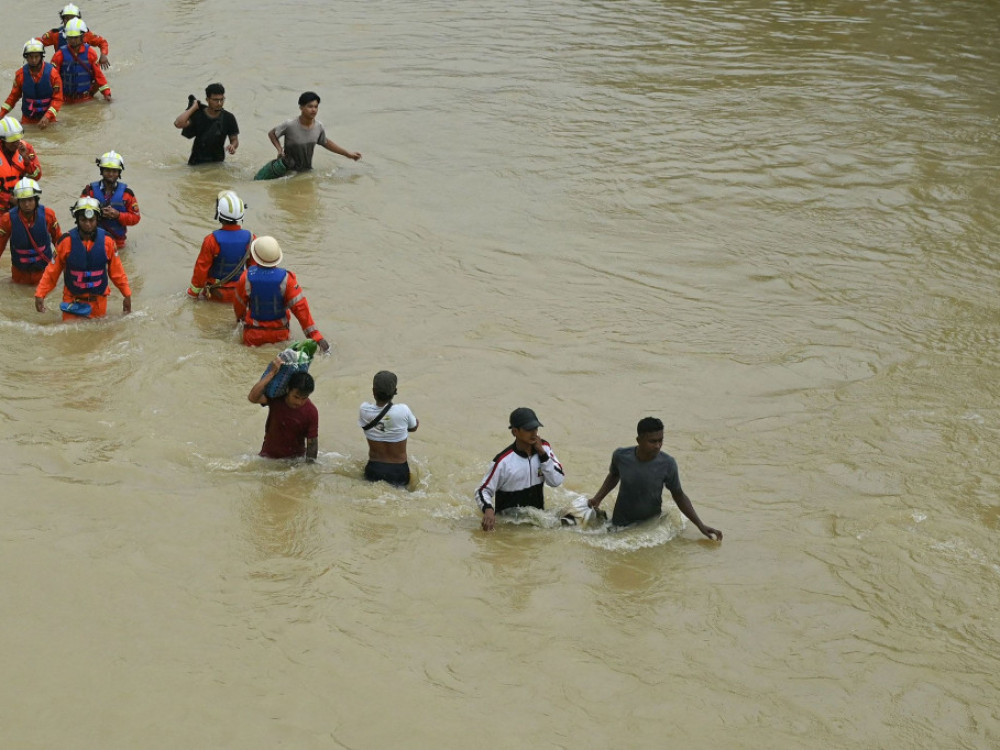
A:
{"points": [[518, 472]]}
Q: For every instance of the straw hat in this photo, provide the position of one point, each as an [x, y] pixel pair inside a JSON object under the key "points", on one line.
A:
{"points": [[266, 251]]}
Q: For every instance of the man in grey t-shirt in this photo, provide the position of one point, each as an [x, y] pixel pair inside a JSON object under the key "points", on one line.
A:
{"points": [[302, 134], [644, 471]]}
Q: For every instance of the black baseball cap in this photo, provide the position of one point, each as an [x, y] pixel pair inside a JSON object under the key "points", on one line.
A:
{"points": [[524, 418]]}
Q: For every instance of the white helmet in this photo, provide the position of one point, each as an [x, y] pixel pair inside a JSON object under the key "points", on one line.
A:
{"points": [[266, 251], [89, 207], [111, 160], [75, 27], [33, 45], [70, 10], [10, 129], [26, 188], [229, 207]]}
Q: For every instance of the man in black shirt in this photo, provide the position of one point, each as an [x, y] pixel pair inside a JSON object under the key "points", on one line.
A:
{"points": [[209, 125]]}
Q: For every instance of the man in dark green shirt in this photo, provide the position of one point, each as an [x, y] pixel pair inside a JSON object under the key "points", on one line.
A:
{"points": [[644, 470]]}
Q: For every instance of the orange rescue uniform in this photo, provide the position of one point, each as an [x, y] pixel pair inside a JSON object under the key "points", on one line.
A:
{"points": [[100, 81], [18, 87], [52, 224], [51, 39], [127, 218], [200, 278], [258, 332], [98, 302], [15, 167]]}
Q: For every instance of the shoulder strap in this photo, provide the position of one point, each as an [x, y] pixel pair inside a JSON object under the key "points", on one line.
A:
{"points": [[378, 419]]}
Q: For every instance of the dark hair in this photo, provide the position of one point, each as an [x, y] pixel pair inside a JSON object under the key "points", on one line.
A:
{"points": [[302, 382], [384, 385], [215, 89], [309, 96], [648, 424]]}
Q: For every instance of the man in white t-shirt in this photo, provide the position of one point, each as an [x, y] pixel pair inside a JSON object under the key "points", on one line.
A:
{"points": [[387, 426]]}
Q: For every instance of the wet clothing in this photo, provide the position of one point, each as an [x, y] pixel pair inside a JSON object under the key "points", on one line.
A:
{"points": [[82, 262], [394, 427], [300, 142], [81, 76], [640, 495], [287, 429], [397, 475], [221, 251], [57, 38], [121, 198], [30, 243], [265, 300], [210, 134], [14, 167], [40, 94], [515, 479]]}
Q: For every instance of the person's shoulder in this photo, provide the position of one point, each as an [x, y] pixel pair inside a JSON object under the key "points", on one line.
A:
{"points": [[505, 453], [667, 461], [623, 452]]}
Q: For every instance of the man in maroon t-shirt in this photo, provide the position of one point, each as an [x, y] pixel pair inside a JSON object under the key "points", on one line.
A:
{"points": [[292, 427]]}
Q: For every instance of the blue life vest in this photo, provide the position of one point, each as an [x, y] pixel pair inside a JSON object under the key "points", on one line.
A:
{"points": [[267, 298], [76, 73], [23, 255], [117, 202], [36, 97], [86, 273], [232, 252]]}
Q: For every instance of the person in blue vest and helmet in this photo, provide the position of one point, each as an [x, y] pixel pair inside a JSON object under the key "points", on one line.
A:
{"points": [[38, 85], [268, 296], [78, 65], [119, 208], [57, 37], [32, 231], [17, 160], [224, 252], [87, 260]]}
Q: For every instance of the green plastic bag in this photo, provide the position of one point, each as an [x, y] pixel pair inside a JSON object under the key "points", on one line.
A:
{"points": [[296, 358], [272, 170]]}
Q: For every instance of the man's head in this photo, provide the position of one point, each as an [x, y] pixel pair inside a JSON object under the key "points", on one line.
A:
{"points": [[524, 424], [111, 165], [309, 104], [85, 214], [33, 53], [26, 192], [69, 12], [229, 208], [300, 386], [649, 437], [75, 29], [11, 133], [384, 385], [215, 95], [266, 251], [308, 97]]}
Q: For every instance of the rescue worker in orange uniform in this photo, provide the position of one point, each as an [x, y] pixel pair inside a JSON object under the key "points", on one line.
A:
{"points": [[17, 160], [268, 296], [38, 85], [119, 208], [224, 252], [57, 37], [32, 230], [88, 259], [79, 70]]}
